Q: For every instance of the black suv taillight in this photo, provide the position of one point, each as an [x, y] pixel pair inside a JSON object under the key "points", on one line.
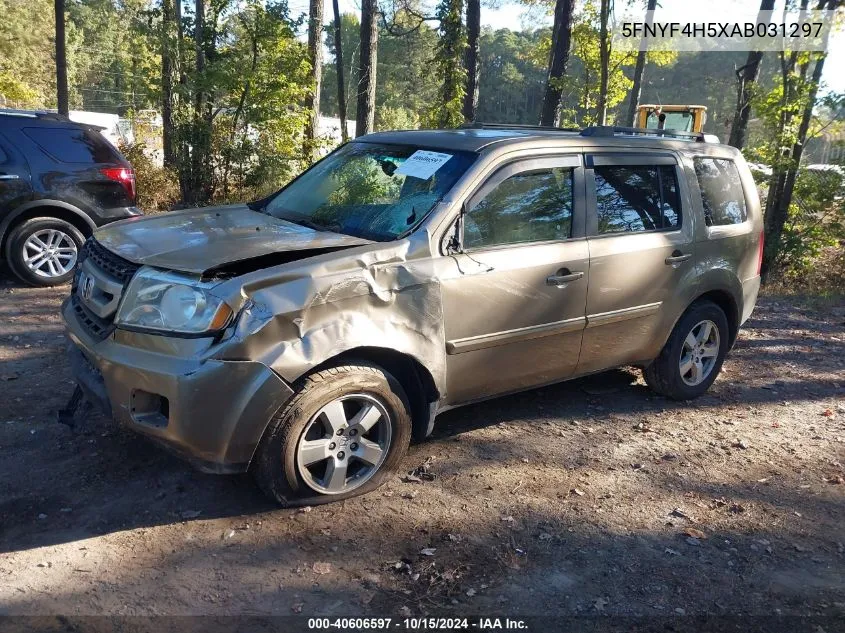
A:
{"points": [[125, 176]]}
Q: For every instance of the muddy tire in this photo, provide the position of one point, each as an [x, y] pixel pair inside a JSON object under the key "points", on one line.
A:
{"points": [[692, 357], [345, 430], [44, 251]]}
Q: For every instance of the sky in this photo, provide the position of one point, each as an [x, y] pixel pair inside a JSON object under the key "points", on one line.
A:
{"points": [[512, 15]]}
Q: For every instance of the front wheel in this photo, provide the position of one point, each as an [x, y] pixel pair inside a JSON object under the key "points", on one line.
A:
{"points": [[344, 431], [693, 356]]}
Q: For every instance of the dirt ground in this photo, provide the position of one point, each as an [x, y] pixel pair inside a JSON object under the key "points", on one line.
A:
{"points": [[590, 497]]}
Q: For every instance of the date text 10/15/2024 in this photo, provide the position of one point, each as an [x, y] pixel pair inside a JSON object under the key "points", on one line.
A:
{"points": [[418, 624]]}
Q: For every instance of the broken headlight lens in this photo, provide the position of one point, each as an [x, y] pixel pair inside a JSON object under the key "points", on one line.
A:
{"points": [[169, 302]]}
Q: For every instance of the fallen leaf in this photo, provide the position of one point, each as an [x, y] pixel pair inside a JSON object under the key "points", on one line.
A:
{"points": [[405, 611], [575, 491], [322, 568], [828, 413], [428, 551], [694, 533], [600, 603], [470, 592], [297, 608]]}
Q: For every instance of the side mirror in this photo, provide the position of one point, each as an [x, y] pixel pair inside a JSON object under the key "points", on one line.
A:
{"points": [[453, 245]]}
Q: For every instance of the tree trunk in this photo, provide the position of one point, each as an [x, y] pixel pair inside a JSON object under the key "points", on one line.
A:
{"points": [[365, 119], [471, 59], [558, 58], [338, 61], [781, 197], [315, 57], [604, 55], [636, 89], [746, 79], [167, 81], [61, 60]]}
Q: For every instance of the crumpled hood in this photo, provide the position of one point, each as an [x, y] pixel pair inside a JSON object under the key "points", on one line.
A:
{"points": [[202, 239]]}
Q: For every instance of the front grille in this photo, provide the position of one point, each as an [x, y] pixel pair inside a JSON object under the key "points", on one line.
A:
{"points": [[95, 326], [116, 267]]}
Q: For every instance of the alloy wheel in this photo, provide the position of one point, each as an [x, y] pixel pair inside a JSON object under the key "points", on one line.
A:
{"points": [[50, 253], [699, 353], [344, 444]]}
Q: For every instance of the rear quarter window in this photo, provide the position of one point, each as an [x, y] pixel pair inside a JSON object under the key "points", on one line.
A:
{"points": [[72, 144], [722, 196]]}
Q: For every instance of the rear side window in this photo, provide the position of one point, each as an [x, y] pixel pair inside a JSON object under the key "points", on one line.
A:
{"points": [[634, 198], [72, 144], [721, 191]]}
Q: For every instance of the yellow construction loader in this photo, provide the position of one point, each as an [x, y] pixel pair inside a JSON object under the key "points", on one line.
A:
{"points": [[682, 118]]}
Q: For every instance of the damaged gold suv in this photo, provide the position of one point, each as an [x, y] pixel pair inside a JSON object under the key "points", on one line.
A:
{"points": [[308, 336]]}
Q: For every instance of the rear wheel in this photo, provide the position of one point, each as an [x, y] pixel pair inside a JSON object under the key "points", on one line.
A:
{"points": [[44, 251], [345, 430], [693, 356]]}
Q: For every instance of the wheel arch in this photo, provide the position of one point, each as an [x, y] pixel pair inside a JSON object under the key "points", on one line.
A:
{"points": [[415, 378], [45, 208]]}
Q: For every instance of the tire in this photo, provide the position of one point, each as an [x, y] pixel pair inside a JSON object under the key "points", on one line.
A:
{"points": [[58, 270], [303, 424], [667, 376]]}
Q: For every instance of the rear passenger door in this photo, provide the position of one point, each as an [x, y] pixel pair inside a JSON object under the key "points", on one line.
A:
{"points": [[514, 297], [640, 235]]}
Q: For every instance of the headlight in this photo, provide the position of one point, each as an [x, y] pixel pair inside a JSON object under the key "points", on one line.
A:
{"points": [[169, 302]]}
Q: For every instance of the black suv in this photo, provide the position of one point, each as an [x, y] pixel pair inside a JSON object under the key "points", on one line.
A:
{"points": [[59, 180]]}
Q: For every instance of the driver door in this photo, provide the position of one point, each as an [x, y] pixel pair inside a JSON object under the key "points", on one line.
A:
{"points": [[514, 298]]}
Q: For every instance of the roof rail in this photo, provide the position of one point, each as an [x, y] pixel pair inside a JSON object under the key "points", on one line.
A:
{"points": [[610, 130], [33, 114], [480, 125]]}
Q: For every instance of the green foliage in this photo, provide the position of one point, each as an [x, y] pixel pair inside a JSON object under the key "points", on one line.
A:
{"points": [[816, 221], [398, 118], [157, 187], [447, 111], [581, 83]]}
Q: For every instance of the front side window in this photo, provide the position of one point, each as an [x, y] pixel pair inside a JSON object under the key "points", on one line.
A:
{"points": [[721, 191], [531, 206], [375, 191], [634, 198]]}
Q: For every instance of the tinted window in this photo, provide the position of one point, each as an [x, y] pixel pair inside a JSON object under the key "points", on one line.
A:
{"points": [[721, 191], [637, 198], [72, 145], [532, 206], [3, 157]]}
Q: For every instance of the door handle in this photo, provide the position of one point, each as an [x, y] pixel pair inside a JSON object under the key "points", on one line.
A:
{"points": [[677, 257], [562, 278], [9, 177]]}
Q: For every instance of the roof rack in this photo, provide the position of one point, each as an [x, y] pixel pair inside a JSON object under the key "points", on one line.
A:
{"points": [[610, 130], [33, 114], [480, 125]]}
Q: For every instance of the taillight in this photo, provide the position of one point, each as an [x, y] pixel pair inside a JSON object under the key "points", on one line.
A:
{"points": [[760, 253], [125, 176]]}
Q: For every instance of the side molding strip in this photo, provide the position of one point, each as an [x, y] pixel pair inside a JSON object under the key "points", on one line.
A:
{"points": [[482, 341], [603, 318]]}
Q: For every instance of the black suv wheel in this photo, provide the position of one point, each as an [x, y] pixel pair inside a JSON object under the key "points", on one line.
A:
{"points": [[44, 251]]}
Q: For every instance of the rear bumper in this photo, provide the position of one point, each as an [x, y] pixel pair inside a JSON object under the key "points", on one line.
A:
{"points": [[750, 290], [211, 412]]}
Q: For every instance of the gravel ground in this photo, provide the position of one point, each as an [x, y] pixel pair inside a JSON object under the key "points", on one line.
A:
{"points": [[589, 497]]}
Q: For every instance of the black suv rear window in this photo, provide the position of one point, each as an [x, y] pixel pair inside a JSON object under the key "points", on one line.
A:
{"points": [[72, 144], [721, 191]]}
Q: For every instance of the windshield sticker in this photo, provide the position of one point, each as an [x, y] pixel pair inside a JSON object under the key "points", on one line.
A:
{"points": [[422, 164]]}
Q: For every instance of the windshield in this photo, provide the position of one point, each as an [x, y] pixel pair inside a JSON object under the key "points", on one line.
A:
{"points": [[378, 192], [681, 121]]}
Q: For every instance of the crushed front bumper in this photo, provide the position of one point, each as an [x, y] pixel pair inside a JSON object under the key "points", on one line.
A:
{"points": [[211, 412]]}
